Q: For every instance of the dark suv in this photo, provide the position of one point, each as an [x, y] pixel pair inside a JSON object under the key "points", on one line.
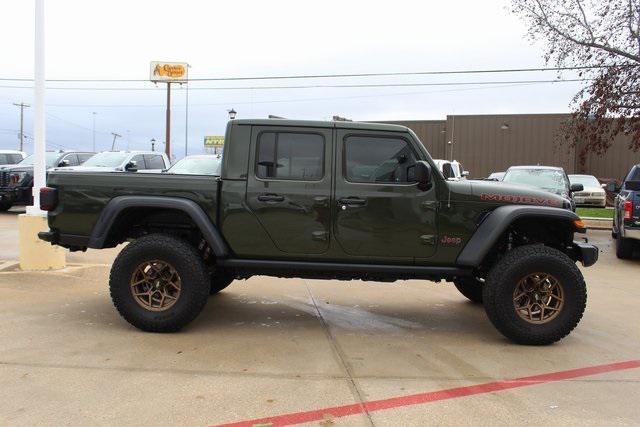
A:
{"points": [[16, 182], [626, 221]]}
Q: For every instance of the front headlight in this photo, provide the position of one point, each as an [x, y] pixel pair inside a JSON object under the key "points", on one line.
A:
{"points": [[16, 178]]}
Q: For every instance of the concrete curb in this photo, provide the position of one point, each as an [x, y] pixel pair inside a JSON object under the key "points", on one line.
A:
{"points": [[598, 223]]}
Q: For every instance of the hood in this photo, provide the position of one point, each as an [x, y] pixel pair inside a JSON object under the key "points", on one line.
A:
{"points": [[503, 193], [18, 169], [591, 190]]}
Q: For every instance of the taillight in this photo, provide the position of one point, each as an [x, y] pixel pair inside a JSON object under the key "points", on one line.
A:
{"points": [[628, 209], [48, 198]]}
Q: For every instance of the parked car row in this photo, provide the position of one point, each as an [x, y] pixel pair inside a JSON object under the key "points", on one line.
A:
{"points": [[16, 169]]}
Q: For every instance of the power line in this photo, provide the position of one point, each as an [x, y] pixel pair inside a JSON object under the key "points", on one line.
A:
{"points": [[343, 75], [275, 101], [319, 86]]}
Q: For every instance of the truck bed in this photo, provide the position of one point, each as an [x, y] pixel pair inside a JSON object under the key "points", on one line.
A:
{"points": [[83, 195]]}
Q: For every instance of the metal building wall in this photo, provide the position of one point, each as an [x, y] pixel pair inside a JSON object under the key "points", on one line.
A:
{"points": [[492, 143], [616, 162]]}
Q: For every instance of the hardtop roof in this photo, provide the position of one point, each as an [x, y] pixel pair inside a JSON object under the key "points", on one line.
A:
{"points": [[319, 123]]}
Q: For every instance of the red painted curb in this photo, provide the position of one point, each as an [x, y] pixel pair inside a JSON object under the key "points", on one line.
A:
{"points": [[433, 396]]}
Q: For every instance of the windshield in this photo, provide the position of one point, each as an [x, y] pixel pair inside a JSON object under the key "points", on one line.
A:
{"points": [[49, 159], [106, 159], [585, 180], [206, 165], [546, 179]]}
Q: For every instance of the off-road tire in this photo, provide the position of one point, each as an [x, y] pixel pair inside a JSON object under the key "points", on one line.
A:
{"points": [[4, 206], [624, 248], [470, 287], [220, 280], [498, 294], [187, 263]]}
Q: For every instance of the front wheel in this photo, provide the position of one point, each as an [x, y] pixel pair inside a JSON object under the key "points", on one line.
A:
{"points": [[535, 295], [159, 283]]}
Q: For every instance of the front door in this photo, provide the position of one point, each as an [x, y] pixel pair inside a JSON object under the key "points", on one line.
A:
{"points": [[289, 186], [379, 209]]}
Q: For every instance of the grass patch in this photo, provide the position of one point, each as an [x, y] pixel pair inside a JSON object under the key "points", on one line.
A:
{"points": [[595, 213]]}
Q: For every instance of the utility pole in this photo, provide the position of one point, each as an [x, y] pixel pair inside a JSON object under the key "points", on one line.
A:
{"points": [[115, 135], [22, 105]]}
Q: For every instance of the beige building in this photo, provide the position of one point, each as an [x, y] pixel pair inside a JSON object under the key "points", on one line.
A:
{"points": [[492, 143]]}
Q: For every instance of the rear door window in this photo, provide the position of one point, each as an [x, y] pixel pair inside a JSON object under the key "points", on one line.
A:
{"points": [[290, 155]]}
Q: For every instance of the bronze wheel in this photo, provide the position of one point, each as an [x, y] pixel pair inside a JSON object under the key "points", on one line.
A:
{"points": [[538, 298], [155, 285]]}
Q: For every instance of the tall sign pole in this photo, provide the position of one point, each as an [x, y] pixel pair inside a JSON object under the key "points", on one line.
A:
{"points": [[39, 135], [167, 144], [168, 72]]}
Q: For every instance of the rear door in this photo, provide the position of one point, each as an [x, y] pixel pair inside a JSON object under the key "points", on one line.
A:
{"points": [[289, 186], [379, 209]]}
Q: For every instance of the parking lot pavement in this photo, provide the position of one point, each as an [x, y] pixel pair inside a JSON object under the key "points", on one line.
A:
{"points": [[266, 347]]}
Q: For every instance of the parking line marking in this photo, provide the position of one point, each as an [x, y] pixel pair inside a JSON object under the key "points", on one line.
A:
{"points": [[432, 396]]}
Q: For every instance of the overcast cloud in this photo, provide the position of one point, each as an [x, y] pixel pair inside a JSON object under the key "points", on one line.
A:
{"points": [[117, 39]]}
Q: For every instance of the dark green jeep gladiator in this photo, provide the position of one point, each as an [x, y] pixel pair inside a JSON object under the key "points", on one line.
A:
{"points": [[330, 200]]}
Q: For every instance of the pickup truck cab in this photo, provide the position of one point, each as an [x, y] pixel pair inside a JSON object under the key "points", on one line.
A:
{"points": [[626, 220], [330, 200]]}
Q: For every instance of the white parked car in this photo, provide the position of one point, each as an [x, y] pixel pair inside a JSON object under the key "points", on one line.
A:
{"points": [[11, 157], [451, 170], [131, 161], [592, 195], [203, 164]]}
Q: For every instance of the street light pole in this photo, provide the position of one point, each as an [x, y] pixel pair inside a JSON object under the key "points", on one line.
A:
{"points": [[94, 131], [39, 136], [115, 135]]}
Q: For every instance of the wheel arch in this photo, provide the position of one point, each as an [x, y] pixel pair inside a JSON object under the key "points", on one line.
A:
{"points": [[124, 205], [500, 219]]}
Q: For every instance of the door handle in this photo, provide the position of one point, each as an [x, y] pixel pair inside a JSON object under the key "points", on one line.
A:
{"points": [[351, 202], [271, 198]]}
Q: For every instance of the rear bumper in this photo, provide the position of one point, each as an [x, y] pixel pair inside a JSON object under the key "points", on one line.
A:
{"points": [[73, 242], [587, 253], [631, 233]]}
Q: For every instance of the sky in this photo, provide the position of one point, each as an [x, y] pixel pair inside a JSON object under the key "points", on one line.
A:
{"points": [[117, 39]]}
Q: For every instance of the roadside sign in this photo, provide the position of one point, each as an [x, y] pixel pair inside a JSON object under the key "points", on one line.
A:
{"points": [[214, 143], [168, 71]]}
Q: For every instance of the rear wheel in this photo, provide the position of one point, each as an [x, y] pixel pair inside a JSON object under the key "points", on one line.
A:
{"points": [[159, 283], [535, 295], [470, 287], [624, 247]]}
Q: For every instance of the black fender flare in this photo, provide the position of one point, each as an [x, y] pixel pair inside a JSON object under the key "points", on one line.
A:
{"points": [[497, 222], [118, 204]]}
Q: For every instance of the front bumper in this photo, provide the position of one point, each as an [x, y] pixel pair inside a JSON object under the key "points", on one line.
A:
{"points": [[590, 200], [15, 195], [586, 253]]}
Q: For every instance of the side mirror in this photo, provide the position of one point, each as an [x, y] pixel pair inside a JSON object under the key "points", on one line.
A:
{"points": [[576, 187], [132, 166], [423, 174], [63, 163], [465, 173], [612, 187]]}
